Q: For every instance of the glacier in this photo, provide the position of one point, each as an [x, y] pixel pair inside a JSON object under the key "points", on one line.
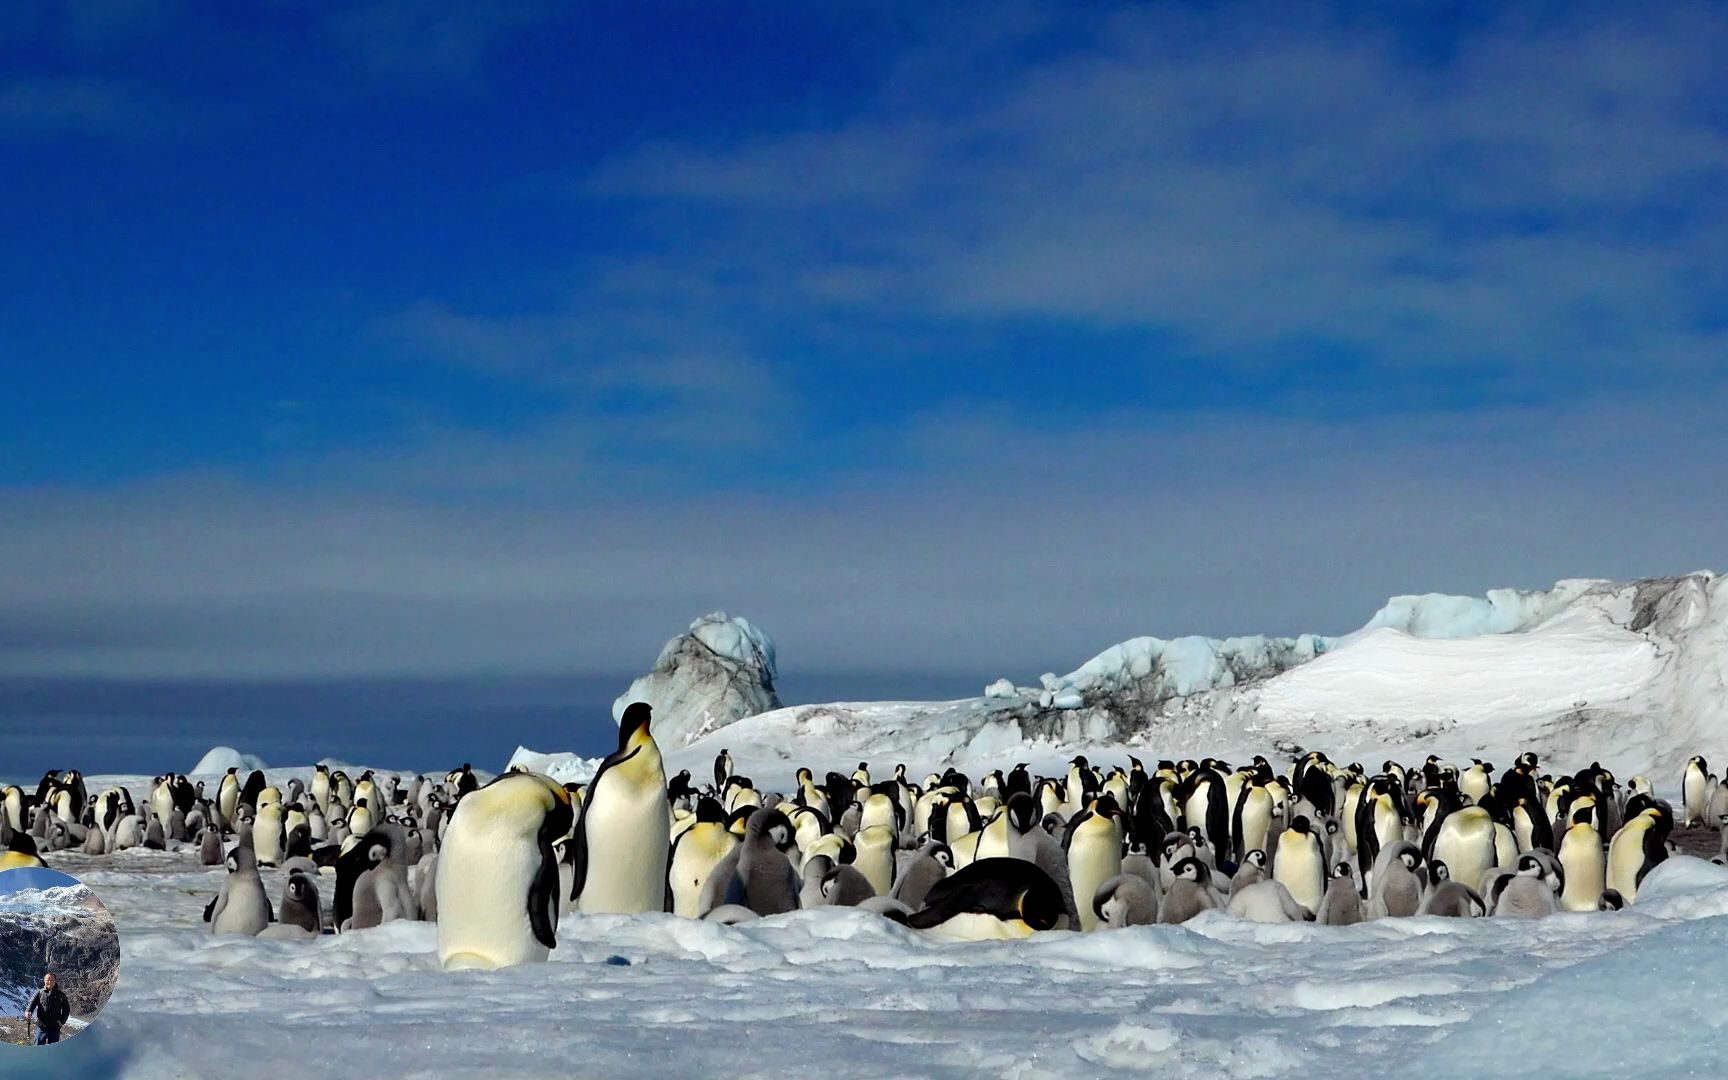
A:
{"points": [[1633, 674]]}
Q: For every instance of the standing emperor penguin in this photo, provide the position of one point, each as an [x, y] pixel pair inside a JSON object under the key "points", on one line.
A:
{"points": [[1300, 864], [626, 829], [228, 797], [1467, 843], [267, 834], [1695, 793], [874, 856], [697, 851], [321, 787], [497, 875], [1585, 866], [241, 906], [1094, 844], [1640, 844]]}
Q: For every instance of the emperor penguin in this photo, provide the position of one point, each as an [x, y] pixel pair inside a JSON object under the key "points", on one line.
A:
{"points": [[696, 852], [1528, 893], [1341, 906], [1466, 842], [875, 855], [932, 863], [1028, 840], [1094, 844], [381, 893], [1300, 864], [756, 874], [1251, 872], [497, 875], [992, 899], [1396, 891], [299, 905], [1585, 866], [1641, 843], [209, 846], [321, 788], [1125, 900], [1695, 793], [1188, 892], [20, 852], [228, 797], [625, 834], [1448, 898], [1268, 902], [267, 834], [240, 906], [722, 769], [844, 886]]}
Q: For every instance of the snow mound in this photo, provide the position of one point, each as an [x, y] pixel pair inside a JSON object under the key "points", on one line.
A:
{"points": [[562, 767], [220, 759], [1502, 611], [720, 671]]}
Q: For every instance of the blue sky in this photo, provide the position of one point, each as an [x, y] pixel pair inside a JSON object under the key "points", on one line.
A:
{"points": [[389, 339], [33, 878]]}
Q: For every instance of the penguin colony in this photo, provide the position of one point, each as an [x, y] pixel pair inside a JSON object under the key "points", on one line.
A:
{"points": [[496, 866]]}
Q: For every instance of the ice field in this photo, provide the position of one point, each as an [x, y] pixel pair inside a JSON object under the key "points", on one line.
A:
{"points": [[847, 993]]}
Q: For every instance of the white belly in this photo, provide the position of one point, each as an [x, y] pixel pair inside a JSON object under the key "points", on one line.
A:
{"points": [[628, 833]]}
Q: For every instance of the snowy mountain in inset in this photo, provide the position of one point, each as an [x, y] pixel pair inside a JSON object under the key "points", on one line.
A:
{"points": [[720, 671], [1632, 674]]}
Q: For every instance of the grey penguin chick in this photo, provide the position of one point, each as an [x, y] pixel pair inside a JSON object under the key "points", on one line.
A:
{"points": [[299, 907], [240, 907], [1342, 904], [846, 886], [1451, 899], [931, 864], [1188, 893], [1267, 902], [1125, 900]]}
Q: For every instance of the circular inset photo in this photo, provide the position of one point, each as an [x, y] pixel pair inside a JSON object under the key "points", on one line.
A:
{"points": [[59, 956]]}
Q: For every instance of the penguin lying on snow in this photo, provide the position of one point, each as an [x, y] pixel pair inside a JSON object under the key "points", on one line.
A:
{"points": [[992, 899], [1125, 900]]}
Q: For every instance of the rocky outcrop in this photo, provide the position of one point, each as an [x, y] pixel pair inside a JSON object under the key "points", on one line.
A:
{"points": [[718, 672]]}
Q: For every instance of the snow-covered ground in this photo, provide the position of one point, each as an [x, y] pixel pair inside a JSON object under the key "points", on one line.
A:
{"points": [[843, 993]]}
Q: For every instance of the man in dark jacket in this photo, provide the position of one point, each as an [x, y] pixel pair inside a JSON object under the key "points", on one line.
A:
{"points": [[50, 1009]]}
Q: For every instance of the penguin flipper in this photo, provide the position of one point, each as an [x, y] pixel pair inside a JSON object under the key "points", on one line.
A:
{"points": [[579, 859], [210, 908], [542, 893]]}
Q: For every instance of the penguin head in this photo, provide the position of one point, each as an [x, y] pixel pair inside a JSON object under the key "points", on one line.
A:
{"points": [[1022, 812], [772, 826], [1410, 857], [633, 725], [300, 887], [1343, 870], [1192, 869], [1529, 866], [1611, 900], [1256, 857], [709, 810], [1439, 871], [942, 854], [1301, 825]]}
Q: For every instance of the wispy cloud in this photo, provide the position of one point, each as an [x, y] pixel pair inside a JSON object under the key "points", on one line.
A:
{"points": [[1257, 182]]}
